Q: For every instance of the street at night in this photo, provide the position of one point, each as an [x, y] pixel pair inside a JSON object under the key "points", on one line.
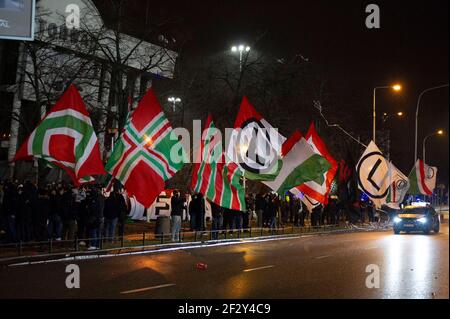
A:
{"points": [[330, 266], [233, 152]]}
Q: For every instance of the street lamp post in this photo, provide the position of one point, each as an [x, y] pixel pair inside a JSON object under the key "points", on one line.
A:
{"points": [[397, 88], [174, 101], [385, 118], [417, 115], [241, 49], [440, 132]]}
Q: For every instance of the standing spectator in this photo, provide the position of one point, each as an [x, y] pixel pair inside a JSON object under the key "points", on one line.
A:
{"points": [[260, 204], [114, 208], [41, 215], [177, 205], [370, 213], [80, 203], [69, 214], [124, 212], [9, 211], [217, 219], [272, 209], [54, 219], [295, 211], [198, 210], [192, 219], [227, 219], [237, 219], [94, 217]]}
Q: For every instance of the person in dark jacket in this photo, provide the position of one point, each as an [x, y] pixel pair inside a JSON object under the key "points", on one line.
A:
{"points": [[54, 219], [69, 214], [176, 214], [217, 220], [9, 211], [198, 209], [115, 207], [41, 215], [94, 218], [260, 205]]}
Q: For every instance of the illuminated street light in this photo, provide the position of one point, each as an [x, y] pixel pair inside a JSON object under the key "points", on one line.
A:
{"points": [[174, 101], [438, 132], [241, 48], [417, 115], [397, 88]]}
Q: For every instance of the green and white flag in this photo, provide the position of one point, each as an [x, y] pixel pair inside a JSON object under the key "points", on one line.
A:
{"points": [[300, 165]]}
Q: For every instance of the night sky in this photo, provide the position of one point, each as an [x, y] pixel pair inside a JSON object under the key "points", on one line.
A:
{"points": [[410, 48]]}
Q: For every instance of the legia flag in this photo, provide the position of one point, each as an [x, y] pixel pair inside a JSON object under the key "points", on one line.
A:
{"points": [[219, 182], [373, 174], [422, 179], [398, 186], [319, 192], [300, 165], [147, 154], [65, 138], [255, 145]]}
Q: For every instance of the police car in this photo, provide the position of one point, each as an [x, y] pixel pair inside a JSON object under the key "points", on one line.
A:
{"points": [[417, 217]]}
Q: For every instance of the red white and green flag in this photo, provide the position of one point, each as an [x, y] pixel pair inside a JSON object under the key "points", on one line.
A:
{"points": [[300, 165], [217, 181], [65, 138], [422, 179], [319, 192], [147, 154]]}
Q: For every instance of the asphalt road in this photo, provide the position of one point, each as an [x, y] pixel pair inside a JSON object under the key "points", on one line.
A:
{"points": [[330, 266]]}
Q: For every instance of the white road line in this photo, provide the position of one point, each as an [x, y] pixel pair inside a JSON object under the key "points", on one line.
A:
{"points": [[259, 268], [322, 257], [146, 289]]}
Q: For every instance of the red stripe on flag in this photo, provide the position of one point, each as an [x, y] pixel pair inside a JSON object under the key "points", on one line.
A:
{"points": [[422, 178]]}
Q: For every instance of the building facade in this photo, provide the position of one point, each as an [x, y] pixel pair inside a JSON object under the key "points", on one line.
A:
{"points": [[106, 65]]}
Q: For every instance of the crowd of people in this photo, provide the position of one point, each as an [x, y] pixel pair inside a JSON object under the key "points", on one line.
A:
{"points": [[266, 210], [60, 212]]}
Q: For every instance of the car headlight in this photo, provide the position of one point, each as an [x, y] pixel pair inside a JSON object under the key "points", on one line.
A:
{"points": [[422, 220], [397, 220]]}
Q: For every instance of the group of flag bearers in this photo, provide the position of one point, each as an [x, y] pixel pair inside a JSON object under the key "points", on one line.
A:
{"points": [[147, 153]]}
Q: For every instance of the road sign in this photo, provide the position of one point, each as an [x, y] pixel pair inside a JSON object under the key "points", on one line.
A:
{"points": [[17, 19]]}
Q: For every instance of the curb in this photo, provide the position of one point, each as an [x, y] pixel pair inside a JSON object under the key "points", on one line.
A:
{"points": [[142, 250]]}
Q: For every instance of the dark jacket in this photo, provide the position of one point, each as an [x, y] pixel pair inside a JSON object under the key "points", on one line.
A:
{"points": [[216, 210], [177, 205], [115, 207]]}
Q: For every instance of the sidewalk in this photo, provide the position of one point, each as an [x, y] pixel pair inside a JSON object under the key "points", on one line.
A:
{"points": [[144, 239]]}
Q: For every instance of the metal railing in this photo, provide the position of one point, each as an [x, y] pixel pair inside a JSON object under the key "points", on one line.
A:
{"points": [[148, 240]]}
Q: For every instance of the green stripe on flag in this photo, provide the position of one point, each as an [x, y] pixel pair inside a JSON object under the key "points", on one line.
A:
{"points": [[312, 169]]}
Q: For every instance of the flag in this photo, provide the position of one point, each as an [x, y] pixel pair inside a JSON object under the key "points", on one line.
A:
{"points": [[255, 145], [422, 179], [300, 165], [217, 181], [147, 154], [65, 138], [319, 192], [398, 185], [373, 175]]}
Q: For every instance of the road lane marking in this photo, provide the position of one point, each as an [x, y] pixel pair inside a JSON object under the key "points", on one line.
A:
{"points": [[146, 289], [259, 268], [322, 257]]}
